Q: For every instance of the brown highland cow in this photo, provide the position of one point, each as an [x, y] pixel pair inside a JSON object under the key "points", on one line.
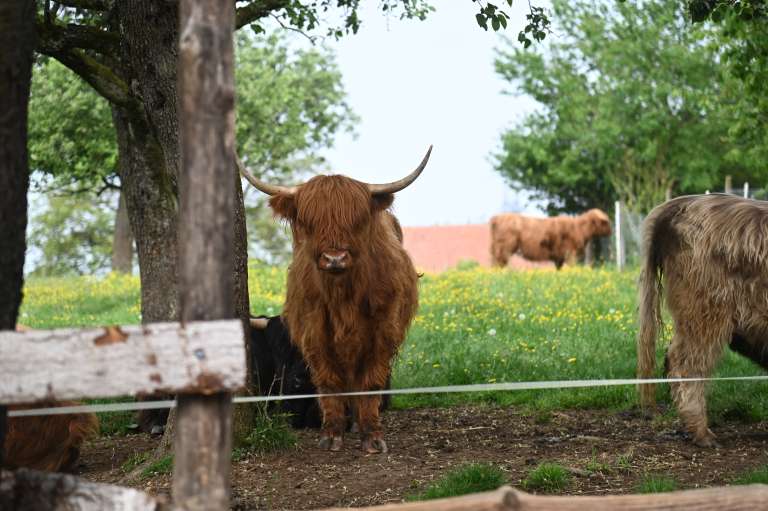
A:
{"points": [[50, 442], [711, 254], [557, 239], [351, 292]]}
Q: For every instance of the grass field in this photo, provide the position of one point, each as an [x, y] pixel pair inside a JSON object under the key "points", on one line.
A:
{"points": [[474, 326]]}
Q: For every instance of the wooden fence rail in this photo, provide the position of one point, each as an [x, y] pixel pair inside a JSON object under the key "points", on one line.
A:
{"points": [[201, 357], [733, 498]]}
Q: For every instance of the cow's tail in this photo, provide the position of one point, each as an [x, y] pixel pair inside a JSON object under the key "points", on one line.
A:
{"points": [[650, 320]]}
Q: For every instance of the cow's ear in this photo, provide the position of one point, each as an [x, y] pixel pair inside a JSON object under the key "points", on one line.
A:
{"points": [[284, 205], [381, 201]]}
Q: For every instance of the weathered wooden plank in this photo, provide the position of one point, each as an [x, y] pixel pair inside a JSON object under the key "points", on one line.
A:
{"points": [[732, 498], [43, 491], [204, 357], [201, 475]]}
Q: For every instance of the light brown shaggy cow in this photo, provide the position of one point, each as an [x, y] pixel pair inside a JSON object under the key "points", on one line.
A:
{"points": [[351, 292], [711, 254], [557, 239], [50, 442]]}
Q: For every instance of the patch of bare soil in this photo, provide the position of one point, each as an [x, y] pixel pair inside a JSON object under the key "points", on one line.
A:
{"points": [[607, 453]]}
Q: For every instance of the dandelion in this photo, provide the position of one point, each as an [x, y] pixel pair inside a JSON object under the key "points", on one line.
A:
{"points": [[521, 316], [492, 332], [436, 365], [572, 360]]}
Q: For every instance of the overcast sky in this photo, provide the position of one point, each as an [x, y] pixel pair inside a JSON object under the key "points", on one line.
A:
{"points": [[415, 83]]}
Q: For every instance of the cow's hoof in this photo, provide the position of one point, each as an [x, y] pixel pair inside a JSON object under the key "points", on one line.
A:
{"points": [[706, 440], [331, 443], [354, 428], [374, 444]]}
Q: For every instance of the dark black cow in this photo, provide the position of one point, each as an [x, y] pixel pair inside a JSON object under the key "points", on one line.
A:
{"points": [[280, 370]]}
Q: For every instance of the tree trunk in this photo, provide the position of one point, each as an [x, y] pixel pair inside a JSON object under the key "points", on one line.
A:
{"points": [[148, 145], [149, 162], [122, 241], [17, 40], [244, 413]]}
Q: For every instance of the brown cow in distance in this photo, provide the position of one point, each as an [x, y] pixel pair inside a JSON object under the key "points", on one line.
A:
{"points": [[557, 239], [351, 292], [710, 254]]}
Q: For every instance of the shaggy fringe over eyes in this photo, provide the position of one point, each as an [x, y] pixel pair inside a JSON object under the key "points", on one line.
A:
{"points": [[327, 201]]}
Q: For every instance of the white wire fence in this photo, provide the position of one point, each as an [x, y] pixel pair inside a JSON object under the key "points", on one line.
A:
{"points": [[625, 247]]}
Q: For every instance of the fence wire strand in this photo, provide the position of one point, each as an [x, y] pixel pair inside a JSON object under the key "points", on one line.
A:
{"points": [[446, 389]]}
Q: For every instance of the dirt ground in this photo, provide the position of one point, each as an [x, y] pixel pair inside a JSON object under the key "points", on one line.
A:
{"points": [[425, 443]]}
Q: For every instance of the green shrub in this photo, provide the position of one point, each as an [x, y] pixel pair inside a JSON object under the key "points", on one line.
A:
{"points": [[474, 478], [547, 477]]}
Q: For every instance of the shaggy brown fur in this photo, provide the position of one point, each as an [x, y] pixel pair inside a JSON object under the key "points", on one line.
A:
{"points": [[348, 324], [50, 442], [711, 254], [557, 239]]}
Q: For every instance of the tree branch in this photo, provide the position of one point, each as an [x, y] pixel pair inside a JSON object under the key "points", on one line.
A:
{"points": [[58, 37], [94, 5], [103, 79], [257, 9], [64, 45]]}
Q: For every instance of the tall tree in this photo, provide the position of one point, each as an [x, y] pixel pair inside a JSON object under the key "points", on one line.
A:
{"points": [[17, 38], [71, 138], [743, 41], [72, 235], [127, 51], [631, 107], [291, 103]]}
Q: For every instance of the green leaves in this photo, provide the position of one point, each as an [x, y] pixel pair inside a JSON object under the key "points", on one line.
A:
{"points": [[70, 129], [633, 102], [490, 12]]}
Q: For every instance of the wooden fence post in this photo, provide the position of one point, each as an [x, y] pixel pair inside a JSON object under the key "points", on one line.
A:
{"points": [[620, 252], [201, 478], [3, 427], [746, 190], [728, 184]]}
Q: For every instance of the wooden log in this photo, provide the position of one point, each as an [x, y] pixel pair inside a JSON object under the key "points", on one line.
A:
{"points": [[731, 498], [43, 491], [203, 444], [205, 357]]}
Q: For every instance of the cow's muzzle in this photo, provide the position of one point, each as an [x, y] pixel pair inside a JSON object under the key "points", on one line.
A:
{"points": [[334, 261]]}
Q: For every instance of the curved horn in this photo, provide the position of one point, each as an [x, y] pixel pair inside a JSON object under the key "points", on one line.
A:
{"points": [[261, 185], [396, 186]]}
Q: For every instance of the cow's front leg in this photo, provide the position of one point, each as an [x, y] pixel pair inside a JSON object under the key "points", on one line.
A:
{"points": [[334, 421], [367, 408]]}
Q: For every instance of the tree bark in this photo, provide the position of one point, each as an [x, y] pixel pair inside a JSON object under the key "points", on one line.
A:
{"points": [[17, 40], [122, 241], [244, 413], [148, 145]]}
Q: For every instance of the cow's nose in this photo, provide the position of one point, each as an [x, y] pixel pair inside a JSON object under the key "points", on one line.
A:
{"points": [[334, 260]]}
